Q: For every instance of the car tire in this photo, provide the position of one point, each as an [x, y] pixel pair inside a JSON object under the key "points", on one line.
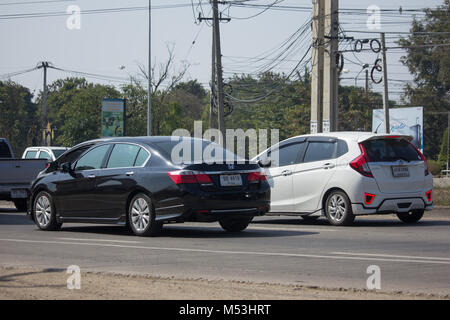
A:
{"points": [[309, 218], [338, 209], [44, 212], [21, 204], [410, 217], [141, 217], [235, 224]]}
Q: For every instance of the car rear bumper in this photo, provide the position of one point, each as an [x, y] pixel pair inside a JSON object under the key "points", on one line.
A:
{"points": [[210, 207], [393, 205]]}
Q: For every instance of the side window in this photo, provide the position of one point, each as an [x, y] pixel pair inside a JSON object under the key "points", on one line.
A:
{"points": [[123, 156], [44, 155], [30, 154], [93, 159], [73, 155], [141, 157], [319, 151], [287, 155], [342, 148]]}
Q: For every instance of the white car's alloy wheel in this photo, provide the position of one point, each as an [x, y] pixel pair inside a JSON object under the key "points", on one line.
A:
{"points": [[337, 207]]}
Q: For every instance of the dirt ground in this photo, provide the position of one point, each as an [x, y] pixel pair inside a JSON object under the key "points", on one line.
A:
{"points": [[38, 284]]}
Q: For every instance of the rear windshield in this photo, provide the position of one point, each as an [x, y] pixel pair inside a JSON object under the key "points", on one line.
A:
{"points": [[4, 150], [186, 151], [386, 150]]}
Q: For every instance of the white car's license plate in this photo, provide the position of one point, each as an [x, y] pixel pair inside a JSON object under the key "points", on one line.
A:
{"points": [[400, 171], [230, 180], [19, 193]]}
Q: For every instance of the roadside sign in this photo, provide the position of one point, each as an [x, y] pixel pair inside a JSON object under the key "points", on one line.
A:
{"points": [[405, 121], [113, 117]]}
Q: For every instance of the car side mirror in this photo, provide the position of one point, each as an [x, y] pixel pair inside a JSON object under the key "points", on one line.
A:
{"points": [[264, 163], [66, 167]]}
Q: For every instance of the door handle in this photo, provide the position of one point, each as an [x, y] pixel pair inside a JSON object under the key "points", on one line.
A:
{"points": [[286, 172], [91, 176], [328, 165], [129, 173]]}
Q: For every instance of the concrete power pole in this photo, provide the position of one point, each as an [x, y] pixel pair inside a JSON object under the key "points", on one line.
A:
{"points": [[213, 82], [149, 92], [220, 93], [44, 65], [387, 128], [317, 65], [330, 75]]}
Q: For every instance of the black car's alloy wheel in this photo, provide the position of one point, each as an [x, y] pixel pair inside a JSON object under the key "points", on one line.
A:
{"points": [[44, 212], [141, 217]]}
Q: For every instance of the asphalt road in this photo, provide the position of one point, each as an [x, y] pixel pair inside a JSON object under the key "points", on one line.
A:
{"points": [[411, 258]]}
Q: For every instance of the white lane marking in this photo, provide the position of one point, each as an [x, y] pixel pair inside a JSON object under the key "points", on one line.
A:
{"points": [[107, 240], [390, 256], [298, 255]]}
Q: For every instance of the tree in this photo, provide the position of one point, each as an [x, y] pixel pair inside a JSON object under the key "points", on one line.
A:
{"points": [[74, 108], [428, 59], [19, 117], [164, 78]]}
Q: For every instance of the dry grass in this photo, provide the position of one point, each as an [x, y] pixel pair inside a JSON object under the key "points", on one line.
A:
{"points": [[441, 196]]}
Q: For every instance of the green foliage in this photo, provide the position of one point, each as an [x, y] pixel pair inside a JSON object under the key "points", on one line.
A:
{"points": [[430, 66], [19, 118], [74, 108]]}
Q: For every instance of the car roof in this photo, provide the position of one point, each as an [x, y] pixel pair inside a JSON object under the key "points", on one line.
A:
{"points": [[148, 140], [357, 136]]}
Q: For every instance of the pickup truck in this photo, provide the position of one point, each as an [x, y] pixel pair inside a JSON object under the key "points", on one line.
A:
{"points": [[16, 175]]}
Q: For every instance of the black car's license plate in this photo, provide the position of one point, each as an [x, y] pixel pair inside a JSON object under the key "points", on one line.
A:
{"points": [[230, 180]]}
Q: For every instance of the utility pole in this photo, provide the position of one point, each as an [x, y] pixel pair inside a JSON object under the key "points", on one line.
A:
{"points": [[317, 65], [387, 128], [217, 93], [213, 82], [367, 81], [218, 64], [448, 139], [149, 93], [330, 76], [44, 65]]}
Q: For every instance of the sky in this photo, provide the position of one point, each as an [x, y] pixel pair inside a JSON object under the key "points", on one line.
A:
{"points": [[114, 44]]}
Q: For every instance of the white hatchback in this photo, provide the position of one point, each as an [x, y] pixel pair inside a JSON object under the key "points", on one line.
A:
{"points": [[345, 174]]}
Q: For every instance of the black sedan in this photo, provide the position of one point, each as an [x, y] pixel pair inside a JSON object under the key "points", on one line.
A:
{"points": [[135, 181]]}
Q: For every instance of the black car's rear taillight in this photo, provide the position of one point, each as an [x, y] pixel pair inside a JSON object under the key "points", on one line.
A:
{"points": [[255, 177], [186, 177]]}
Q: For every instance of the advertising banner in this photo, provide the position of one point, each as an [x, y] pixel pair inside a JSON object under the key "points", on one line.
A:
{"points": [[113, 117], [406, 121]]}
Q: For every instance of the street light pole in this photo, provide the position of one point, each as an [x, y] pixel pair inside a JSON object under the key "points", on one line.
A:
{"points": [[149, 98]]}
